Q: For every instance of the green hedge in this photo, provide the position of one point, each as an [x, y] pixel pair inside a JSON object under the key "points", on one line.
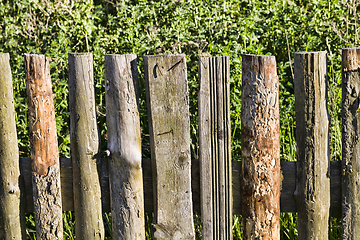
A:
{"points": [[193, 27]]}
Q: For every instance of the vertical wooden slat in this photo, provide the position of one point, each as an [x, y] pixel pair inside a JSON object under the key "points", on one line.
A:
{"points": [[350, 143], [84, 139], [312, 138], [44, 149], [214, 148], [124, 143], [206, 172], [260, 138], [11, 217], [169, 127]]}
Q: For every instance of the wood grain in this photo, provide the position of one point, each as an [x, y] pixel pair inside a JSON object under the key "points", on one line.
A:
{"points": [[312, 139], [44, 148], [84, 143], [169, 128], [124, 144]]}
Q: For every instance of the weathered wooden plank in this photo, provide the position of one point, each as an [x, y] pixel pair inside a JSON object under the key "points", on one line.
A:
{"points": [[11, 215], [44, 149], [350, 143], [260, 138], [205, 156], [84, 140], [214, 147], [169, 128], [287, 199], [312, 138], [124, 144]]}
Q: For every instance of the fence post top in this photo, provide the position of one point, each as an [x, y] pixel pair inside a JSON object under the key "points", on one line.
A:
{"points": [[80, 54], [165, 55], [308, 53]]}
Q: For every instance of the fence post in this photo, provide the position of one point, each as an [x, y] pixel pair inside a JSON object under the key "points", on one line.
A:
{"points": [[44, 149], [215, 148], [84, 141], [260, 139], [169, 127], [312, 192], [12, 219], [124, 144], [350, 143]]}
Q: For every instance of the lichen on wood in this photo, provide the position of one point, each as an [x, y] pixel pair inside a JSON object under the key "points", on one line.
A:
{"points": [[260, 138], [169, 128], [84, 143], [12, 220]]}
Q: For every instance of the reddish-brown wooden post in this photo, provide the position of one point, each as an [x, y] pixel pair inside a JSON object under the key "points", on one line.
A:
{"points": [[124, 143], [260, 139], [312, 143], [84, 139], [12, 222], [44, 149]]}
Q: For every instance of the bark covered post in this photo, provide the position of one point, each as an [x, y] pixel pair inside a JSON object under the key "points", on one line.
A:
{"points": [[124, 144], [84, 138], [260, 138], [44, 149], [312, 139], [350, 143], [169, 128], [215, 148], [11, 217]]}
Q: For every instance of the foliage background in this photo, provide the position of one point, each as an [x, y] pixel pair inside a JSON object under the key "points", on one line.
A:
{"points": [[193, 27]]}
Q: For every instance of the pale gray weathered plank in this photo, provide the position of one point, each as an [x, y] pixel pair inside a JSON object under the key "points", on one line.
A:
{"points": [[169, 128], [214, 148]]}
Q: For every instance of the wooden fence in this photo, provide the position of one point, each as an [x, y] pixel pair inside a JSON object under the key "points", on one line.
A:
{"points": [[172, 185]]}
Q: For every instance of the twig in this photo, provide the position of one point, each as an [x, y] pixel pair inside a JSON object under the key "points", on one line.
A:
{"points": [[287, 42]]}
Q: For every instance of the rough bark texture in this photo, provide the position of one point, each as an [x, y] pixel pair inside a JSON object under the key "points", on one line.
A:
{"points": [[84, 139], [351, 143], [169, 128], [215, 148], [11, 219], [312, 139], [44, 149], [260, 139], [124, 143]]}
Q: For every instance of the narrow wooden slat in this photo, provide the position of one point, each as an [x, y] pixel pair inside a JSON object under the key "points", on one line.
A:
{"points": [[350, 142], [84, 139], [312, 139], [11, 214], [214, 147], [206, 196], [260, 138], [44, 149], [169, 128], [124, 143]]}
